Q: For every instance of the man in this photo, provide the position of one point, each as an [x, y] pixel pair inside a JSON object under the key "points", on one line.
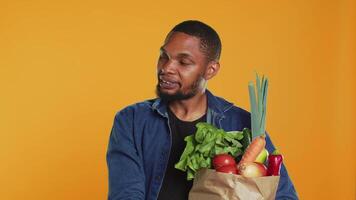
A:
{"points": [[147, 138]]}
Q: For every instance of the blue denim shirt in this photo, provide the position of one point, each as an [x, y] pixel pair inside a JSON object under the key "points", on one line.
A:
{"points": [[140, 143]]}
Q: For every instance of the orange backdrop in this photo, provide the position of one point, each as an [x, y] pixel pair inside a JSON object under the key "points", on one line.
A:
{"points": [[66, 67]]}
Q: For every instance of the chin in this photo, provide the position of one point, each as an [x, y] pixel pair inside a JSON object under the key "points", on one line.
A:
{"points": [[172, 95], [160, 91]]}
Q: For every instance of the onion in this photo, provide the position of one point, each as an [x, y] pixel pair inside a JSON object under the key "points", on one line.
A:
{"points": [[252, 169]]}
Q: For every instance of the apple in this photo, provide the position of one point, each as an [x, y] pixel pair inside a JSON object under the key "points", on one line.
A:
{"points": [[252, 169], [262, 156]]}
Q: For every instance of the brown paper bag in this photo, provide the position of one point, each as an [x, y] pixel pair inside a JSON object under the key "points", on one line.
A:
{"points": [[211, 185]]}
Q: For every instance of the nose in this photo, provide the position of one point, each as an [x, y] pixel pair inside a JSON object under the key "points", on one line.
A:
{"points": [[167, 67]]}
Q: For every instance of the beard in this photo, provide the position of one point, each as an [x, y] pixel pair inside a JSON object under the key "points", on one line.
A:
{"points": [[180, 95]]}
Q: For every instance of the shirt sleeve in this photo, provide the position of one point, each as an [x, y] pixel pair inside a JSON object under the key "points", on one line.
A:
{"points": [[125, 165], [286, 188]]}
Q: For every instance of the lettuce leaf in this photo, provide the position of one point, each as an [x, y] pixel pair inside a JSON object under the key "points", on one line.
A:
{"points": [[207, 142]]}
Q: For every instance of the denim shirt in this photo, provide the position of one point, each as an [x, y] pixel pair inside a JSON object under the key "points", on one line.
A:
{"points": [[140, 142]]}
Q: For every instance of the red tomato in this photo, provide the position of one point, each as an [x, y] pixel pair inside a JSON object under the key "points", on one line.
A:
{"points": [[230, 169], [221, 160]]}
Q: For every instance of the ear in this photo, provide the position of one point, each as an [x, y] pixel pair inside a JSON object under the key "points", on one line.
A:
{"points": [[212, 69]]}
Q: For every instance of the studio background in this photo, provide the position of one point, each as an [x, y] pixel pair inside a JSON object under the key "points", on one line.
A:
{"points": [[66, 68]]}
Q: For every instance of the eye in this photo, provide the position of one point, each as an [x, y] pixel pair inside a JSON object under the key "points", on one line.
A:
{"points": [[163, 56], [185, 62]]}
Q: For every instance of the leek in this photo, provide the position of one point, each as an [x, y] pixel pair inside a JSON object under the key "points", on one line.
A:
{"points": [[258, 105]]}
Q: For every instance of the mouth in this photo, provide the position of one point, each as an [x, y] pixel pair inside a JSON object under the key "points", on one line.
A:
{"points": [[167, 84]]}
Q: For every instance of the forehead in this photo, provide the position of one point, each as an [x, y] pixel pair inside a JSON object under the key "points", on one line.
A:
{"points": [[181, 43]]}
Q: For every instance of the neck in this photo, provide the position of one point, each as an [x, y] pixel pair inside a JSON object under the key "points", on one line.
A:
{"points": [[190, 109]]}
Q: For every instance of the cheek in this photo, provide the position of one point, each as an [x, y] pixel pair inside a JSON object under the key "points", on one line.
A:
{"points": [[159, 66], [189, 78]]}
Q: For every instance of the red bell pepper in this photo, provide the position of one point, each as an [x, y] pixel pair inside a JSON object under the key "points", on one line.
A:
{"points": [[274, 163]]}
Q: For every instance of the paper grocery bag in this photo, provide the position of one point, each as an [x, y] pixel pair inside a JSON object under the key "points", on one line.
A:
{"points": [[211, 185]]}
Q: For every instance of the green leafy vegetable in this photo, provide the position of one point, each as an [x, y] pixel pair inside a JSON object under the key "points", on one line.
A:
{"points": [[246, 140], [207, 142]]}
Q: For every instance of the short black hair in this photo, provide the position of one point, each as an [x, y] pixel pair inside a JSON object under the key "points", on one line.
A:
{"points": [[210, 43]]}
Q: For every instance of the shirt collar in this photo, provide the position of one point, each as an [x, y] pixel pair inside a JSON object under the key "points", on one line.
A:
{"points": [[216, 104]]}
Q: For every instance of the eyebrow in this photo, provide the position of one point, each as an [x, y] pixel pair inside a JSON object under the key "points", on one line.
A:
{"points": [[180, 55]]}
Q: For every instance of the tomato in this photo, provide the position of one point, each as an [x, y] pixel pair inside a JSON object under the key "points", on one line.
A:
{"points": [[230, 169], [221, 160]]}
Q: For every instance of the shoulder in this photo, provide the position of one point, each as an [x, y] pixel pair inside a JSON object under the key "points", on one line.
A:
{"points": [[229, 108], [239, 111], [240, 116], [235, 115], [138, 108]]}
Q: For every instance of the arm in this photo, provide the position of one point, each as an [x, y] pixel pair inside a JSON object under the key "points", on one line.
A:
{"points": [[286, 188], [125, 166]]}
